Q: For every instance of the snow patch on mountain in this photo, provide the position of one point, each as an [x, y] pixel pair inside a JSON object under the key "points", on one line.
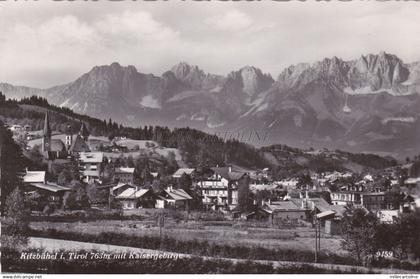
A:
{"points": [[198, 117], [65, 103], [272, 123], [399, 119], [150, 102], [215, 125], [368, 90], [75, 105], [256, 105], [182, 116]]}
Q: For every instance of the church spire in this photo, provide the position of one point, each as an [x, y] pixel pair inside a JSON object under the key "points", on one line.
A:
{"points": [[46, 139], [47, 129], [84, 132]]}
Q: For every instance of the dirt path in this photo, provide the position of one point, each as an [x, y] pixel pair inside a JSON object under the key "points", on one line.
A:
{"points": [[56, 244]]}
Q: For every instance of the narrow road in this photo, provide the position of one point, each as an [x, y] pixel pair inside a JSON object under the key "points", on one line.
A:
{"points": [[51, 245]]}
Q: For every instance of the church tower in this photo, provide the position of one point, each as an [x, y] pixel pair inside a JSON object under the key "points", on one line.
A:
{"points": [[69, 137], [84, 132], [46, 137]]}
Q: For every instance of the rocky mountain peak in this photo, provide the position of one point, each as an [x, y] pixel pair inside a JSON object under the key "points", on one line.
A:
{"points": [[368, 73], [252, 80], [189, 73], [196, 78], [112, 71], [380, 71]]}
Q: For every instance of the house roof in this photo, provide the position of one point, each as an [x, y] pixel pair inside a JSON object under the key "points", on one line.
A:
{"points": [[321, 204], [281, 206], [79, 145], [50, 187], [57, 145], [124, 170], [121, 184], [181, 171], [412, 180], [326, 214], [260, 187], [34, 177], [178, 194], [132, 193], [91, 172], [229, 175], [91, 157], [338, 209]]}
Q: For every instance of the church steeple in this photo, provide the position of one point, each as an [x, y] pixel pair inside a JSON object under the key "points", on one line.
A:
{"points": [[69, 136], [47, 129], [46, 139], [84, 132]]}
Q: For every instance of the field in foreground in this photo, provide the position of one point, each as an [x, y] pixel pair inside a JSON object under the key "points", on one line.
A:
{"points": [[223, 233]]}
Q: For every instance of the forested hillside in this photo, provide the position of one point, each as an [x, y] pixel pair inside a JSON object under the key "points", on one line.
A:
{"points": [[198, 148]]}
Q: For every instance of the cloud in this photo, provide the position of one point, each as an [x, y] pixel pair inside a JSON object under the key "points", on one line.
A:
{"points": [[66, 42], [45, 43], [140, 26], [230, 21]]}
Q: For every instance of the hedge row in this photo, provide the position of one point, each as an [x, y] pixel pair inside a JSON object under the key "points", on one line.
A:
{"points": [[84, 216]]}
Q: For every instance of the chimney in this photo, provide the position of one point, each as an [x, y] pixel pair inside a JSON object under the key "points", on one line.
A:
{"points": [[306, 195], [230, 168]]}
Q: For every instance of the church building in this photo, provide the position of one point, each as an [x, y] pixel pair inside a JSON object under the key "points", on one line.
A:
{"points": [[57, 149]]}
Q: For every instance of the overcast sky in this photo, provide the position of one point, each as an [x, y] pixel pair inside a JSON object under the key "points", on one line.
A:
{"points": [[49, 43]]}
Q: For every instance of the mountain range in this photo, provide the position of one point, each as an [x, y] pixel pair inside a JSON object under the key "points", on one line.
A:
{"points": [[369, 104]]}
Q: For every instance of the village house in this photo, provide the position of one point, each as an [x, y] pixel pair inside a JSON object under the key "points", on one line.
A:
{"points": [[133, 198], [220, 189], [124, 175], [173, 198], [283, 213], [41, 192], [90, 165], [358, 195]]}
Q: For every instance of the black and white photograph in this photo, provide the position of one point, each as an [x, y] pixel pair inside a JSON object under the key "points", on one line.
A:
{"points": [[209, 137]]}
